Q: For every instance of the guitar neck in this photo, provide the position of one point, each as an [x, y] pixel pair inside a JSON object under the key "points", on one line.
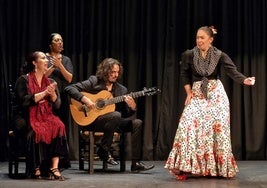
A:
{"points": [[121, 98]]}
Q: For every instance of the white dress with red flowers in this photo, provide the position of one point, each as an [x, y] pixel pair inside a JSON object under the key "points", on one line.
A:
{"points": [[202, 144]]}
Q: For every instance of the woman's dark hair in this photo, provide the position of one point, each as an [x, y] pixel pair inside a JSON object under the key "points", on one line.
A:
{"points": [[28, 66], [51, 37], [210, 30], [106, 66]]}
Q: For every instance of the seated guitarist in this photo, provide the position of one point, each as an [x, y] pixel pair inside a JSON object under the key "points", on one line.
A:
{"points": [[107, 74]]}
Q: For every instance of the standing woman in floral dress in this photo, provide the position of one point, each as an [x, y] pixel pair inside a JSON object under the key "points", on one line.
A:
{"points": [[202, 144]]}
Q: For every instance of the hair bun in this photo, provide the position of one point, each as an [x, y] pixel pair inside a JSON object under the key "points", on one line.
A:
{"points": [[213, 29]]}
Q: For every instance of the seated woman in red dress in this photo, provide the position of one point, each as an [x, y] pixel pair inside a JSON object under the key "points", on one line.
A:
{"points": [[36, 97]]}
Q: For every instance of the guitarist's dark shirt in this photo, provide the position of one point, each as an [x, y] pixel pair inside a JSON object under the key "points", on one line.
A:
{"points": [[94, 85]]}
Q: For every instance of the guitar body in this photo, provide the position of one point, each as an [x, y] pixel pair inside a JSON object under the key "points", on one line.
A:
{"points": [[84, 117]]}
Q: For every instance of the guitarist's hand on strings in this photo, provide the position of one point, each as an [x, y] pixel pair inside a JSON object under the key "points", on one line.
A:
{"points": [[88, 102], [130, 102]]}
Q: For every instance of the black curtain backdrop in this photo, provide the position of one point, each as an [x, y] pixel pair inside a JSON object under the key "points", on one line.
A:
{"points": [[147, 36]]}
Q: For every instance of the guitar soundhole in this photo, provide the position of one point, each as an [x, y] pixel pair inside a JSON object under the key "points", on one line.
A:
{"points": [[100, 104]]}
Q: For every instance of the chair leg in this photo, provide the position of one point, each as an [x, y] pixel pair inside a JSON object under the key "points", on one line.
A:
{"points": [[105, 165], [16, 167], [10, 167], [81, 148], [122, 153], [91, 152]]}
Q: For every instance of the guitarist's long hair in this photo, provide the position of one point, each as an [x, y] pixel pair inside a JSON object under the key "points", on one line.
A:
{"points": [[106, 66]]}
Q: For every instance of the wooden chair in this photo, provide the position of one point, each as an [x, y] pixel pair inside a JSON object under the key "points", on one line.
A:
{"points": [[88, 148], [17, 147], [16, 158]]}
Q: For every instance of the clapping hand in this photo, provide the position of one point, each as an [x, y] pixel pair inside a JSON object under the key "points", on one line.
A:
{"points": [[57, 61], [51, 89]]}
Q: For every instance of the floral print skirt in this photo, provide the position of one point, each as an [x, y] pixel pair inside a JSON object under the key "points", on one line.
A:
{"points": [[202, 144]]}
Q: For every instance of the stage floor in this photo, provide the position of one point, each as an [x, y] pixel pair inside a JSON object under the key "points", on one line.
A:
{"points": [[253, 174]]}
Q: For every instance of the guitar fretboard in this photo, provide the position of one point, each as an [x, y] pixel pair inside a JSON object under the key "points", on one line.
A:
{"points": [[121, 98]]}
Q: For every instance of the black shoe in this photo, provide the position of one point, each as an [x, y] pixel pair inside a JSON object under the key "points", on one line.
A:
{"points": [[110, 160], [106, 157], [140, 166]]}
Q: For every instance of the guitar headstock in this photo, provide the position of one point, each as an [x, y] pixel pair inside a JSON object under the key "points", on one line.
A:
{"points": [[151, 91]]}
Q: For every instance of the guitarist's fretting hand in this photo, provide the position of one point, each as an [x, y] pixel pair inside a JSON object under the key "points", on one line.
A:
{"points": [[130, 102], [88, 102]]}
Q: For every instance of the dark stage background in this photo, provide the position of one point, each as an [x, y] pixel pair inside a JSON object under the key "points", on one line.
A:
{"points": [[147, 36]]}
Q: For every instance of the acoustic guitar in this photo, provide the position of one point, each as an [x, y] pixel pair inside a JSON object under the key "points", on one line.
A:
{"points": [[105, 103]]}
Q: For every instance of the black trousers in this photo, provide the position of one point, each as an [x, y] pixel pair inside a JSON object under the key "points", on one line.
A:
{"points": [[112, 122], [135, 127]]}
